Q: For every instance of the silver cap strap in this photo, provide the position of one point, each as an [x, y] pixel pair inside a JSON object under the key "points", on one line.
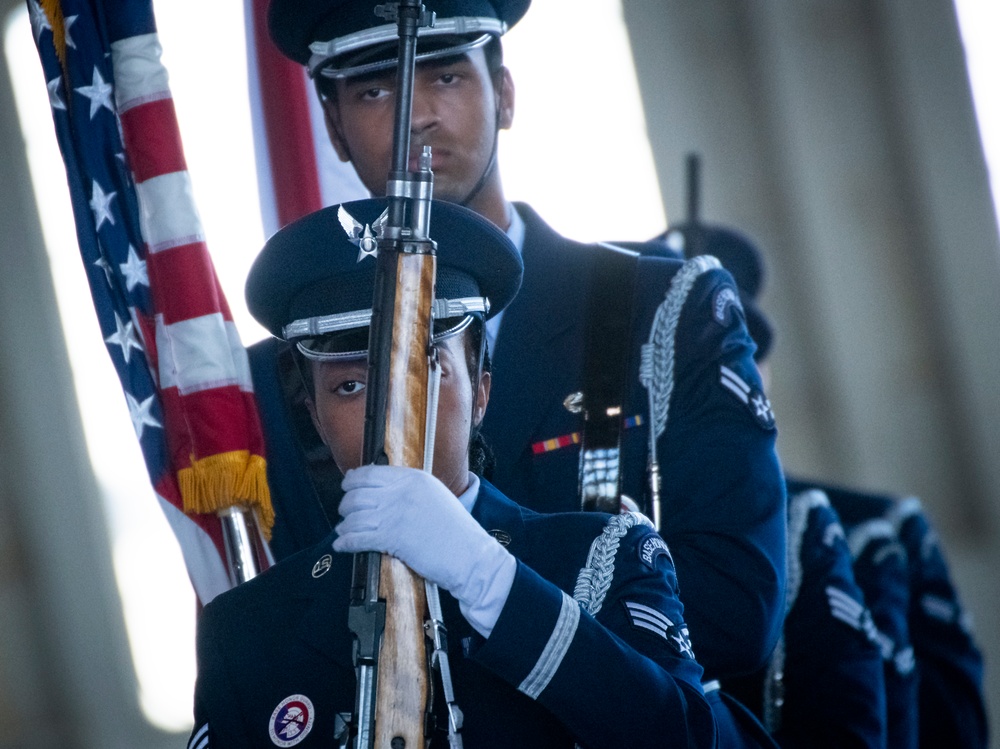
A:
{"points": [[324, 52], [442, 309]]}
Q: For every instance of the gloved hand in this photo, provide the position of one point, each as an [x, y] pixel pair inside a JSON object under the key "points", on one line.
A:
{"points": [[413, 516]]}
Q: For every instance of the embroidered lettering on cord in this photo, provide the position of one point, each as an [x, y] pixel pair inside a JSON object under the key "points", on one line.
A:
{"points": [[555, 649]]}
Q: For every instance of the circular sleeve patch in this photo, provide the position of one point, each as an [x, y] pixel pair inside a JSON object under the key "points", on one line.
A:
{"points": [[291, 721]]}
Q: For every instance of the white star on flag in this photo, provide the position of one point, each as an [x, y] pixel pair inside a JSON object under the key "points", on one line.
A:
{"points": [[125, 337], [98, 92], [55, 100], [134, 270], [100, 204], [140, 413], [70, 20], [103, 265], [39, 21]]}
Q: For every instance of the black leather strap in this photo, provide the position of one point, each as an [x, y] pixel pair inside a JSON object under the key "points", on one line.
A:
{"points": [[607, 341]]}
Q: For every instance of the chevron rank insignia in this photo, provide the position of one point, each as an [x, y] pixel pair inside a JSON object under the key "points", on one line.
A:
{"points": [[855, 614], [751, 397], [651, 620]]}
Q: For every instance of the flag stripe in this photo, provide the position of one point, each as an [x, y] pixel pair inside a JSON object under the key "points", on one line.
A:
{"points": [[288, 134], [139, 77], [197, 354], [154, 126], [169, 218], [182, 268]]}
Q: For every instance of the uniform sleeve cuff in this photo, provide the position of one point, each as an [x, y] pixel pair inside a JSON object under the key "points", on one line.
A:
{"points": [[532, 634]]}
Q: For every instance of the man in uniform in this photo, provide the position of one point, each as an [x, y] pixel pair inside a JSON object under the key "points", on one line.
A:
{"points": [[563, 629], [673, 332], [933, 669]]}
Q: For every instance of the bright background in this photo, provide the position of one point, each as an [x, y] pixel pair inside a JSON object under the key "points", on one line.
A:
{"points": [[594, 180], [588, 170]]}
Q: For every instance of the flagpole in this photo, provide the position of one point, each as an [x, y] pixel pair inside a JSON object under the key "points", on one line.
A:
{"points": [[241, 541]]}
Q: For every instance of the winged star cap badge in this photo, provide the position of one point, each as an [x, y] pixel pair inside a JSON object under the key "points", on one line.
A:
{"points": [[365, 236]]}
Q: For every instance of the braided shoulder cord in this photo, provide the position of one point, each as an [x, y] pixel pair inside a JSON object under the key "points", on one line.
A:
{"points": [[656, 370], [656, 366], [799, 507], [594, 580]]}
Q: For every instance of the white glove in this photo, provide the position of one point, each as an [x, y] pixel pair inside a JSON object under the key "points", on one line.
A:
{"points": [[411, 515]]}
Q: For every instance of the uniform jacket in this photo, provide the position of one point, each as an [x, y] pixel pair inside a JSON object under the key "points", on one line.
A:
{"points": [[722, 489], [550, 675], [824, 685], [934, 672], [723, 493]]}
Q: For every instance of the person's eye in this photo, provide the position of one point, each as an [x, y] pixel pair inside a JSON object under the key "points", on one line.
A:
{"points": [[448, 78], [373, 94], [350, 387]]}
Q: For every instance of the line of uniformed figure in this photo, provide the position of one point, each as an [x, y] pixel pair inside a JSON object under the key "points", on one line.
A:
{"points": [[764, 611]]}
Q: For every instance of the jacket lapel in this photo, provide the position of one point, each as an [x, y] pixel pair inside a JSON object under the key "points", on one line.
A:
{"points": [[537, 356], [326, 598]]}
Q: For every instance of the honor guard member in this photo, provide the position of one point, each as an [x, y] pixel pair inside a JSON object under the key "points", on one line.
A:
{"points": [[563, 630], [933, 667], [654, 350]]}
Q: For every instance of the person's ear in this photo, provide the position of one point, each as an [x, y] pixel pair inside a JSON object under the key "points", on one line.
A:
{"points": [[505, 99], [482, 398], [334, 129]]}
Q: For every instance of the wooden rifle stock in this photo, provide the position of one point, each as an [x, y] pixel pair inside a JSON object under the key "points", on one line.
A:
{"points": [[402, 687], [389, 614]]}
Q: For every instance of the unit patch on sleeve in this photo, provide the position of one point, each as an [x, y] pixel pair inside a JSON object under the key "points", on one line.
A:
{"points": [[645, 617], [751, 397], [725, 301], [652, 549]]}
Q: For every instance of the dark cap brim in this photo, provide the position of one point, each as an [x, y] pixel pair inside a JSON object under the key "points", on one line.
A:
{"points": [[295, 24]]}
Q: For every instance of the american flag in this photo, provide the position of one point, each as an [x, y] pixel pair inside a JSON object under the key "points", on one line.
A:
{"points": [[298, 171], [162, 312]]}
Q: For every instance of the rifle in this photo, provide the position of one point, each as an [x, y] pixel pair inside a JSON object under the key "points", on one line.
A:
{"points": [[389, 603]]}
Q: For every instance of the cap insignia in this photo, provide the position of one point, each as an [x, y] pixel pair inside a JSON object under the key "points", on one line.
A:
{"points": [[364, 236]]}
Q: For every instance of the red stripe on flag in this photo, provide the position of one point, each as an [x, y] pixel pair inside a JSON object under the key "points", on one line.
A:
{"points": [[211, 434], [179, 280], [290, 145], [178, 437], [153, 140]]}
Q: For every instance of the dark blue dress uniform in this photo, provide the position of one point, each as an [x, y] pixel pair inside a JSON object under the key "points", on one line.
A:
{"points": [[824, 684], [934, 670], [723, 493], [722, 490], [274, 654]]}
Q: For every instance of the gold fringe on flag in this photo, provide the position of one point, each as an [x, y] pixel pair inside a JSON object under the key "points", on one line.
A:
{"points": [[54, 13], [221, 481]]}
